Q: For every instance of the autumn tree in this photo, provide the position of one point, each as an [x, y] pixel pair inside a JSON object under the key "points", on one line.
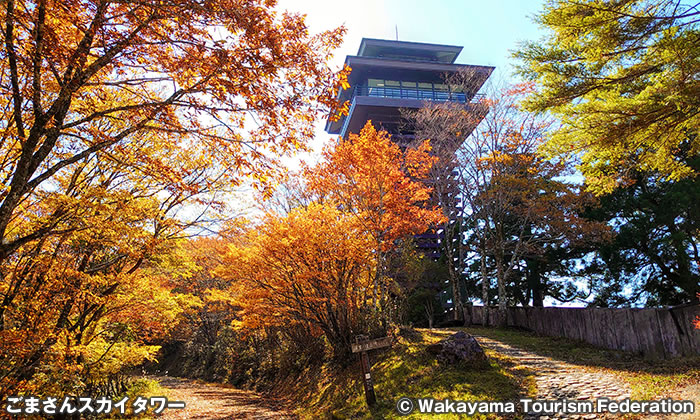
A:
{"points": [[68, 290], [369, 176], [190, 269], [319, 264], [117, 70], [544, 218], [517, 204], [125, 125], [622, 76], [485, 158], [312, 268], [203, 341]]}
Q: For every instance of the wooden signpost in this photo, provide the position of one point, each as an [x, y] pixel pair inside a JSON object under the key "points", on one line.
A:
{"points": [[362, 346]]}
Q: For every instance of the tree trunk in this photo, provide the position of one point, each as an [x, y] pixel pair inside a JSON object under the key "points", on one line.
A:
{"points": [[456, 297], [484, 286], [534, 282], [430, 314], [500, 277]]}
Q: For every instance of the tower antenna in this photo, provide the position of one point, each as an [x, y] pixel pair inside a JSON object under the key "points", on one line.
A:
{"points": [[397, 32]]}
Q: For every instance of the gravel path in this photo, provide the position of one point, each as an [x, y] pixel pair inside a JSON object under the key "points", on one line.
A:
{"points": [[213, 401], [558, 380]]}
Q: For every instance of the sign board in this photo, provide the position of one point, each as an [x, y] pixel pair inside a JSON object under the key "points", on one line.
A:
{"points": [[367, 345], [362, 346]]}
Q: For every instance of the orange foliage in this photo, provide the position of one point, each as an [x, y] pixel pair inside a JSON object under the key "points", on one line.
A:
{"points": [[320, 267], [310, 268], [122, 117], [369, 176]]}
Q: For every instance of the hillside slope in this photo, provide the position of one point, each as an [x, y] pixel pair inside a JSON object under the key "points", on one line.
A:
{"points": [[407, 370]]}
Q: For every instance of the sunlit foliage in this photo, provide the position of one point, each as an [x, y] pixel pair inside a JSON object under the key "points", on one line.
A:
{"points": [[124, 127], [321, 267], [622, 75]]}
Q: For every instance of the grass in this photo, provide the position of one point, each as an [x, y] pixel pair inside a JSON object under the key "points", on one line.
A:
{"points": [[648, 379], [408, 370], [145, 388]]}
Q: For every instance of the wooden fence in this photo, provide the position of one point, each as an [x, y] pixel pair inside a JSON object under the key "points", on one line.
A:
{"points": [[656, 333]]}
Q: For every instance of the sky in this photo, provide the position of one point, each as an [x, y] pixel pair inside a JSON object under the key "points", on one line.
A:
{"points": [[489, 30]]}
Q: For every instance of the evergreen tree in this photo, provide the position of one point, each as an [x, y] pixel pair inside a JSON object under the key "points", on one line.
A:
{"points": [[654, 256], [622, 76]]}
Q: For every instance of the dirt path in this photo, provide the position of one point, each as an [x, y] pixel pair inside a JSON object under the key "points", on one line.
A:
{"points": [[213, 401], [558, 380]]}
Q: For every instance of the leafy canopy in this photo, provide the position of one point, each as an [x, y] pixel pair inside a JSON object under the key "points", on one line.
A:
{"points": [[622, 75], [124, 125], [369, 176], [322, 267]]}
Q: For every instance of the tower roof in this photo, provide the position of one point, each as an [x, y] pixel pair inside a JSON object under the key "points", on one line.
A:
{"points": [[403, 50]]}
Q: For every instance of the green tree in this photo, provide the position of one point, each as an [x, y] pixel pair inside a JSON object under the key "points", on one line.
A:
{"points": [[654, 257], [622, 76]]}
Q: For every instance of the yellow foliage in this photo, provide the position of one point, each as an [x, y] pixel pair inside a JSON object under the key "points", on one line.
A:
{"points": [[127, 126]]}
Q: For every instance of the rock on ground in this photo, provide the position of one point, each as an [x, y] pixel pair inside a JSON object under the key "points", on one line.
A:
{"points": [[458, 347]]}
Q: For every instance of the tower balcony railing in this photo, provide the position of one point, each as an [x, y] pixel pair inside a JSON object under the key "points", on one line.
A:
{"points": [[420, 94], [406, 93]]}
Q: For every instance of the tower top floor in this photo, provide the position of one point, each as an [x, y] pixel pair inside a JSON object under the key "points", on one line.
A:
{"points": [[387, 76]]}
